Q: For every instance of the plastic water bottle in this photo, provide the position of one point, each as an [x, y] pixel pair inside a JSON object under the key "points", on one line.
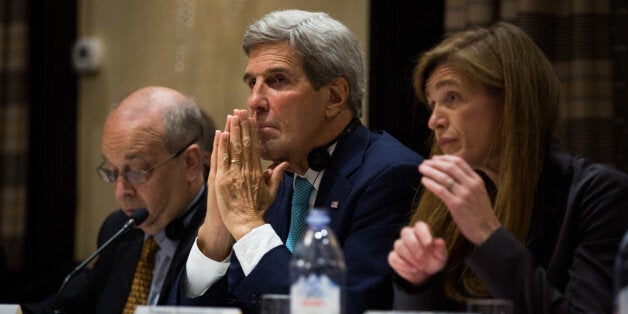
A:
{"points": [[621, 277], [317, 269]]}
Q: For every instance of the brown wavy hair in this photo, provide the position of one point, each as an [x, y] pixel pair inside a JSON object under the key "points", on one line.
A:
{"points": [[505, 62]]}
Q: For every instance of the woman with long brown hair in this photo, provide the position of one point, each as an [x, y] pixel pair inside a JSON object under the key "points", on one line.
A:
{"points": [[505, 212]]}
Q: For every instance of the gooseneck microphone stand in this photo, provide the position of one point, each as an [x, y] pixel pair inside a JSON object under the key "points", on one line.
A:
{"points": [[136, 219]]}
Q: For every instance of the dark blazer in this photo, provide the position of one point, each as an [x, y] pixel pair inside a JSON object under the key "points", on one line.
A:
{"points": [[566, 267], [373, 178], [105, 287]]}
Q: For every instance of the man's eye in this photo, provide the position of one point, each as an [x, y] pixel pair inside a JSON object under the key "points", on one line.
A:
{"points": [[250, 83], [278, 80], [452, 97]]}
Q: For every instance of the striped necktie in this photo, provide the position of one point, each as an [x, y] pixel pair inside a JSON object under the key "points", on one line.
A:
{"points": [[143, 276], [300, 198]]}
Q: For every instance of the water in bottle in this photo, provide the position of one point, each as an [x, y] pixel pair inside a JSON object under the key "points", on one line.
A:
{"points": [[317, 269]]}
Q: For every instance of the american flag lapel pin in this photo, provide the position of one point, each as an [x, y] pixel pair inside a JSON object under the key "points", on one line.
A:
{"points": [[334, 204]]}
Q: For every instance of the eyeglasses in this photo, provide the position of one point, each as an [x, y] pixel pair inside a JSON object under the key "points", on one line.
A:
{"points": [[136, 177]]}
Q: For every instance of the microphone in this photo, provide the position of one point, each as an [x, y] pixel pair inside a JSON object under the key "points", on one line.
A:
{"points": [[136, 219]]}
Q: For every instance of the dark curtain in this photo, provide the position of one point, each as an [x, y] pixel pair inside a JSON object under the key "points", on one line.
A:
{"points": [[14, 110], [399, 31], [619, 9], [37, 147]]}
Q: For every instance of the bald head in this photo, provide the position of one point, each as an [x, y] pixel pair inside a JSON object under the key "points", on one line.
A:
{"points": [[149, 99], [158, 114]]}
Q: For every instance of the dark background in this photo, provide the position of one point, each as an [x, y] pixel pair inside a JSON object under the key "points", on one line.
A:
{"points": [[49, 239]]}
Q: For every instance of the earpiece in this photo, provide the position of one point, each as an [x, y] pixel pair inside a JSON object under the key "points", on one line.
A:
{"points": [[319, 158], [174, 230]]}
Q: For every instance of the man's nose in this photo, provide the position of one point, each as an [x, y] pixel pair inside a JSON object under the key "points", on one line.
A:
{"points": [[122, 187], [257, 101]]}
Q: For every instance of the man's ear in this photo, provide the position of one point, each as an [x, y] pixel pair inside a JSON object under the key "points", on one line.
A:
{"points": [[193, 162], [338, 95]]}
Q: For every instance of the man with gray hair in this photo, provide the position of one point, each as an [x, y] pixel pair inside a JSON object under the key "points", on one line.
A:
{"points": [[306, 77]]}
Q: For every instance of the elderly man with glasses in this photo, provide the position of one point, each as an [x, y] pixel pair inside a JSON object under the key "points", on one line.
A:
{"points": [[152, 145]]}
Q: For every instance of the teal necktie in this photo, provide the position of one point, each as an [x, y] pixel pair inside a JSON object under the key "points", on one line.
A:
{"points": [[300, 197]]}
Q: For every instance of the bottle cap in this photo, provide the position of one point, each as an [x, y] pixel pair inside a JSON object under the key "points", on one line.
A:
{"points": [[318, 217]]}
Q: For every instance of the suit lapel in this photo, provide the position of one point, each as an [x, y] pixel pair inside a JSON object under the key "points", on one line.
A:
{"points": [[120, 277], [346, 159], [334, 187]]}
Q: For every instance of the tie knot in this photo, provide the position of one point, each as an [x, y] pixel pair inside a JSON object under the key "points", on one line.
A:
{"points": [[302, 188], [149, 249]]}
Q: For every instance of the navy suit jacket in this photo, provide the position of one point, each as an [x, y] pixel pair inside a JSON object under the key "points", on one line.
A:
{"points": [[105, 287], [369, 188]]}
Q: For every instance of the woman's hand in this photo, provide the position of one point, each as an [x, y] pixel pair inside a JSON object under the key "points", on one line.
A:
{"points": [[463, 191], [417, 255]]}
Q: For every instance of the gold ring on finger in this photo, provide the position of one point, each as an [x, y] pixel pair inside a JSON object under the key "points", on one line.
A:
{"points": [[450, 183]]}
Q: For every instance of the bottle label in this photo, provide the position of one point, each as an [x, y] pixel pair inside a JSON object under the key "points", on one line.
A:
{"points": [[314, 294]]}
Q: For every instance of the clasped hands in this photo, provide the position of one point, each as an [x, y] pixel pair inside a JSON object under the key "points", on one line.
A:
{"points": [[417, 254], [239, 191]]}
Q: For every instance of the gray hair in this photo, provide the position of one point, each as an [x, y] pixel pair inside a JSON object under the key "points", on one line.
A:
{"points": [[183, 123], [327, 48]]}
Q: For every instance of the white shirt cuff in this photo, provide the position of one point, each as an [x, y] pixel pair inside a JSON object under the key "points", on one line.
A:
{"points": [[254, 245], [202, 272]]}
